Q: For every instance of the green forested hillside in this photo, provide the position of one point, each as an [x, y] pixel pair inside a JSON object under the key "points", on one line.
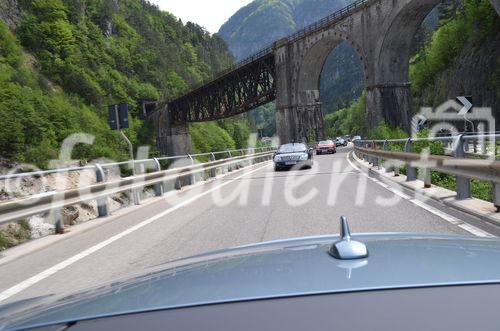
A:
{"points": [[63, 61], [461, 58]]}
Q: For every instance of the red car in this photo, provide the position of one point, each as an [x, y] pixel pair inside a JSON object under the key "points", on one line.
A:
{"points": [[326, 147]]}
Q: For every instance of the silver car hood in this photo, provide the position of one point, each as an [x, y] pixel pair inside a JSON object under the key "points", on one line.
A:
{"points": [[276, 269]]}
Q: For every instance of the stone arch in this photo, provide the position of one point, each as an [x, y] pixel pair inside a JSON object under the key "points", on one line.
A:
{"points": [[307, 65], [390, 96], [394, 54], [312, 61]]}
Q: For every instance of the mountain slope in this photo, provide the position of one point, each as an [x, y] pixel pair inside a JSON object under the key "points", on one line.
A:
{"points": [[263, 21], [63, 61]]}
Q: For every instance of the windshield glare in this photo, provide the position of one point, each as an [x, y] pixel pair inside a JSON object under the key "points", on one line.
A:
{"points": [[292, 148]]}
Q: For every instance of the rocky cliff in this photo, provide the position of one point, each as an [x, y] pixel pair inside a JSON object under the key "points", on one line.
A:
{"points": [[476, 73]]}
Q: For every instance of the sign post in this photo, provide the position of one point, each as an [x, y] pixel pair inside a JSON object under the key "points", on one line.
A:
{"points": [[118, 120], [466, 101]]}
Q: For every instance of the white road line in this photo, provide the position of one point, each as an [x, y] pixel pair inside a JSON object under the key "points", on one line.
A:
{"points": [[60, 266], [476, 231], [453, 220], [352, 164], [398, 193], [448, 218], [437, 212]]}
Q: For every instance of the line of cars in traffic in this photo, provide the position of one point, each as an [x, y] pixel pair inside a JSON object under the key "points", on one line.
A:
{"points": [[299, 155]]}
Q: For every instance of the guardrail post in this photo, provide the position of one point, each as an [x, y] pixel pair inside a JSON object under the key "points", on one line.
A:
{"points": [[463, 183], [242, 164], [376, 160], [411, 172], [58, 221], [136, 193], [192, 178], [496, 195], [385, 147], [159, 186], [213, 172], [229, 166], [178, 184], [102, 203], [427, 174]]}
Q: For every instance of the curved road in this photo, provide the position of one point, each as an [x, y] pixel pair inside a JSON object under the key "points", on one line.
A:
{"points": [[244, 207]]}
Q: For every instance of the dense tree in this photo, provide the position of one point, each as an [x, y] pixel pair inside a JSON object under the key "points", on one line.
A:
{"points": [[84, 55]]}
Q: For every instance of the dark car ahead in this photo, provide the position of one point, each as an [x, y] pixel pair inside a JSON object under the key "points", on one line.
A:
{"points": [[326, 147], [341, 142], [362, 282], [293, 155]]}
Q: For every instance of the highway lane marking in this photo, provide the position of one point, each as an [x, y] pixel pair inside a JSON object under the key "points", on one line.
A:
{"points": [[453, 220], [447, 217], [72, 260]]}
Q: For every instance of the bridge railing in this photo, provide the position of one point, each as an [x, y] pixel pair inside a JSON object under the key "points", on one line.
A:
{"points": [[254, 57], [328, 20], [163, 174], [467, 157]]}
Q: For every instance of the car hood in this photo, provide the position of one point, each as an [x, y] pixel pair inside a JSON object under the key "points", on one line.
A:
{"points": [[276, 269]]}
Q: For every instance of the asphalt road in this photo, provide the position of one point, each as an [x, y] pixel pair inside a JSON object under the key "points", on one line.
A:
{"points": [[252, 206]]}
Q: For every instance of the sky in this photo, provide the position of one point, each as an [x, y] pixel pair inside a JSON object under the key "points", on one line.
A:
{"points": [[210, 14]]}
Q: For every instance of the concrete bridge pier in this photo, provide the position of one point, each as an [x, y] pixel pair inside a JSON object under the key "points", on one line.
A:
{"points": [[300, 123], [299, 117], [179, 140], [311, 124], [389, 103], [172, 138]]}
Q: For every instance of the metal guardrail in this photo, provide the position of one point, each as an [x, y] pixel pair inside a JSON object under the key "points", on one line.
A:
{"points": [[465, 169], [54, 201], [228, 153]]}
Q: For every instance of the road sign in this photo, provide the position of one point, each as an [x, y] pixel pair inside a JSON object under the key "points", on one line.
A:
{"points": [[113, 117], [118, 117], [466, 101], [123, 116]]}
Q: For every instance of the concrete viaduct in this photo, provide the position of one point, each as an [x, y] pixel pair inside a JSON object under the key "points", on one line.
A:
{"points": [[381, 32]]}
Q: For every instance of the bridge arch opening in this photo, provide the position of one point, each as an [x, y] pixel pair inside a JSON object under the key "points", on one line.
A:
{"points": [[331, 75], [342, 79], [322, 55], [392, 76], [395, 51]]}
